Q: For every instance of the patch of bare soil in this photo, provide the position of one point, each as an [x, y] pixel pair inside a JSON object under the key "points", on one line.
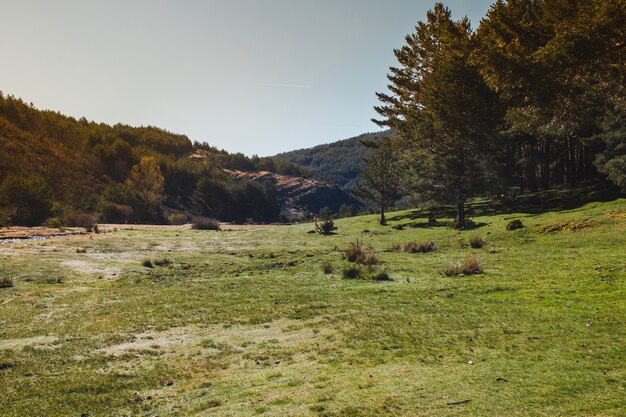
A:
{"points": [[19, 232]]}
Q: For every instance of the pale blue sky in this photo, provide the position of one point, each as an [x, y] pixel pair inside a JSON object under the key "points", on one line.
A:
{"points": [[255, 76]]}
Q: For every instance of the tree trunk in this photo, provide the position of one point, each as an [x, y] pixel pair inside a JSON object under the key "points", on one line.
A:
{"points": [[383, 220], [460, 211]]}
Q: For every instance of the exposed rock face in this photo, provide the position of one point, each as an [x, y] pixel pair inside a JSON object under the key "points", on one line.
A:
{"points": [[302, 195]]}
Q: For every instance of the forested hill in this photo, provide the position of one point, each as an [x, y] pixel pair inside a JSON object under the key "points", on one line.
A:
{"points": [[339, 161], [58, 170]]}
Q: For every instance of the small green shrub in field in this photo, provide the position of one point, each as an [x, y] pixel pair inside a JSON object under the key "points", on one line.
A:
{"points": [[147, 263], [325, 227], [204, 223], [424, 247], [6, 282], [351, 271], [365, 272], [327, 268], [477, 242], [472, 265], [177, 218], [378, 274], [514, 225]]}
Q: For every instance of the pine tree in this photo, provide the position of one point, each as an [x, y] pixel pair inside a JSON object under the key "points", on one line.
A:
{"points": [[443, 111]]}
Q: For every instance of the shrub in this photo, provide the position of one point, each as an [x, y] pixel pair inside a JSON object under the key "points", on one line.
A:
{"points": [[177, 218], [325, 227], [477, 242], [28, 200], [96, 229], [351, 271], [470, 266], [358, 253], [397, 247], [327, 268], [379, 274], [204, 223], [54, 222], [78, 219], [514, 225], [117, 213], [6, 282], [162, 262], [424, 247], [147, 263]]}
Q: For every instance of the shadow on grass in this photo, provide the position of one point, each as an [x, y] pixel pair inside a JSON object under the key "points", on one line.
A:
{"points": [[557, 199]]}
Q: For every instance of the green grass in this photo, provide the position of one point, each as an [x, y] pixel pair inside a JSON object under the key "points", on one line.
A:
{"points": [[248, 323]]}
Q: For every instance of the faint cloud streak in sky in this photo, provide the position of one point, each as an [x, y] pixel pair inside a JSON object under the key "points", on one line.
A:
{"points": [[283, 85]]}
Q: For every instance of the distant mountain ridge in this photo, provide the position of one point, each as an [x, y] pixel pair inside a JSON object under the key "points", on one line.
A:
{"points": [[340, 162]]}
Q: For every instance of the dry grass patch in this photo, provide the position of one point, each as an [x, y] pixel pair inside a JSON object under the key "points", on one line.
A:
{"points": [[472, 265], [359, 254], [567, 226]]}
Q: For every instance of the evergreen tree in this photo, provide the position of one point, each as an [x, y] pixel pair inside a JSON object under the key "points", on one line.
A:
{"points": [[443, 111]]}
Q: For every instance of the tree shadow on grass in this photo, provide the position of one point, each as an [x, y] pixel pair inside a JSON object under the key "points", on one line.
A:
{"points": [[558, 199]]}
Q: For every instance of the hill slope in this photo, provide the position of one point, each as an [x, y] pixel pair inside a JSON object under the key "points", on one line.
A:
{"points": [[339, 161]]}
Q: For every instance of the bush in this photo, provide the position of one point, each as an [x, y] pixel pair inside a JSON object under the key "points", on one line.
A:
{"points": [[54, 222], [6, 282], [204, 223], [117, 213], [147, 263], [379, 274], [27, 200], [177, 218], [78, 219], [477, 242], [365, 272], [325, 227], [514, 225], [327, 268], [470, 266], [397, 247], [351, 271], [424, 247], [358, 253]]}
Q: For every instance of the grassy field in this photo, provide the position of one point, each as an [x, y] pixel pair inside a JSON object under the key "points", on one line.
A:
{"points": [[247, 323]]}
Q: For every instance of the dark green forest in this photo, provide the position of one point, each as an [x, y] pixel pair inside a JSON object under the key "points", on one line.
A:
{"points": [[533, 98], [340, 162]]}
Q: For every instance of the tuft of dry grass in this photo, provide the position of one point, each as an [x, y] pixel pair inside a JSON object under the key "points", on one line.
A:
{"points": [[567, 226], [358, 253], [472, 265], [424, 247]]}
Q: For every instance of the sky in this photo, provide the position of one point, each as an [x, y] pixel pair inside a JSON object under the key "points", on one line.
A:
{"points": [[252, 76]]}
